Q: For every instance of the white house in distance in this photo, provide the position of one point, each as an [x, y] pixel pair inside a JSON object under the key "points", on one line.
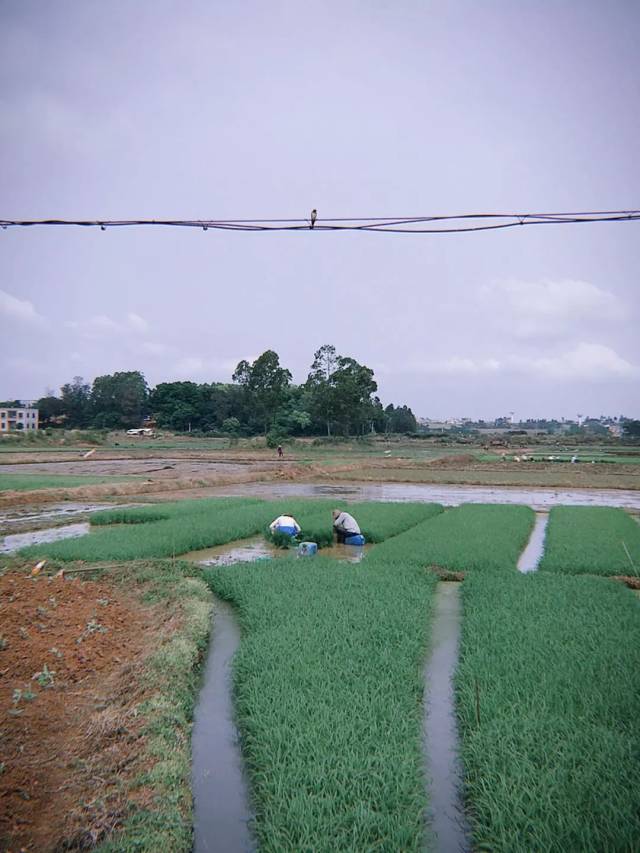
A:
{"points": [[18, 418]]}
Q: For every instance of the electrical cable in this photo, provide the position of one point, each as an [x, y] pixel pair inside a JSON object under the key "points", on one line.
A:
{"points": [[438, 224]]}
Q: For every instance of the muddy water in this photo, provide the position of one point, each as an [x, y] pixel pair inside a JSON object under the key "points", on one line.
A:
{"points": [[444, 775], [242, 551], [38, 537], [257, 548], [532, 554], [221, 800], [29, 515], [539, 499]]}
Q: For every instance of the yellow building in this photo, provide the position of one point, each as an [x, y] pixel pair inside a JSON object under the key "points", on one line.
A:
{"points": [[18, 418]]}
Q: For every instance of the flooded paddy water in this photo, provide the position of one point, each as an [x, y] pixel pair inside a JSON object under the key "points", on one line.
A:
{"points": [[538, 498], [31, 516], [258, 548], [532, 554], [15, 541]]}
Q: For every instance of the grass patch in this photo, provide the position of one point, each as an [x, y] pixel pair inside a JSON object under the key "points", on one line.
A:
{"points": [[328, 695], [171, 678], [472, 536], [592, 540], [169, 530], [177, 528], [547, 689], [30, 482]]}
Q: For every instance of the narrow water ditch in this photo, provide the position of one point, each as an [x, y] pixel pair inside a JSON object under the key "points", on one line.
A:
{"points": [[532, 554], [220, 791], [447, 823]]}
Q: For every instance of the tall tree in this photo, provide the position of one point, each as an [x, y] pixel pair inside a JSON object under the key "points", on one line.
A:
{"points": [[265, 384], [119, 400], [320, 386], [353, 385], [76, 399]]}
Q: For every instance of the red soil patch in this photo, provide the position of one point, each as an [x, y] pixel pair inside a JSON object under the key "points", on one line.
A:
{"points": [[68, 740]]}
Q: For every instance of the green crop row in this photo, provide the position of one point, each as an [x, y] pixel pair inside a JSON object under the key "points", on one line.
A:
{"points": [[132, 533], [328, 695], [593, 540], [547, 689], [30, 482], [472, 536], [328, 684], [190, 526]]}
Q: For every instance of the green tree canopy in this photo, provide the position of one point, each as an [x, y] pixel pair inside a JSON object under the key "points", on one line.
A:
{"points": [[265, 385], [120, 399]]}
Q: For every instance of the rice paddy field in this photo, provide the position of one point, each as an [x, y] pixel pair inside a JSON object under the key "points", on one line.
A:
{"points": [[592, 540], [329, 685]]}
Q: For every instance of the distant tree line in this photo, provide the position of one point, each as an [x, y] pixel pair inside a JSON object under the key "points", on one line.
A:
{"points": [[338, 398]]}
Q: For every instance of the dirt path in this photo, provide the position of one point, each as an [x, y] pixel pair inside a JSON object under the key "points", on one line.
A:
{"points": [[68, 737]]}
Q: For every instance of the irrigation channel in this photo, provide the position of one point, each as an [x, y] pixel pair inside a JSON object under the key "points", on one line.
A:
{"points": [[220, 792], [532, 554], [447, 821]]}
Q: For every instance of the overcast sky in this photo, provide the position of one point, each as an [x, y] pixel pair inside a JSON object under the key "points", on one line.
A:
{"points": [[184, 109]]}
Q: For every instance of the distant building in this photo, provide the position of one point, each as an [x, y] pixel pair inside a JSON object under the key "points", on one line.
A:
{"points": [[18, 418]]}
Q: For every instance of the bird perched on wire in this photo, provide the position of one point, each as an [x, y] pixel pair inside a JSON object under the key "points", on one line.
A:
{"points": [[314, 216]]}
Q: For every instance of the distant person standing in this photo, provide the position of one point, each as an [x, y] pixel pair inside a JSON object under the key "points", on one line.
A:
{"points": [[344, 525], [280, 451]]}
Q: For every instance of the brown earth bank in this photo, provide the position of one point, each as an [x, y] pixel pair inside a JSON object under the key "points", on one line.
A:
{"points": [[71, 653]]}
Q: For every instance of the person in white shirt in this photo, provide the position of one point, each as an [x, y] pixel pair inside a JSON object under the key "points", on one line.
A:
{"points": [[285, 523], [344, 525]]}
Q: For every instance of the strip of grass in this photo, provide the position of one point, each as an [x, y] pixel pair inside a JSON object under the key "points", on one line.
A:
{"points": [[593, 540], [328, 691], [177, 528], [472, 536], [172, 676], [30, 482], [190, 526], [547, 689]]}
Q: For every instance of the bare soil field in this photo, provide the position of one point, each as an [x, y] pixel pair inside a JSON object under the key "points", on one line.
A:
{"points": [[71, 651], [180, 472]]}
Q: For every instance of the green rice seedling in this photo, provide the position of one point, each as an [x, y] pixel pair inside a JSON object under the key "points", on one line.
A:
{"points": [[29, 482], [547, 691], [593, 540], [328, 688], [191, 525], [472, 536]]}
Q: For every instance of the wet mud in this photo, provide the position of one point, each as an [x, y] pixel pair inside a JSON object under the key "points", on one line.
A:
{"points": [[538, 498], [220, 790], [446, 820], [532, 554], [15, 541], [30, 516], [258, 548]]}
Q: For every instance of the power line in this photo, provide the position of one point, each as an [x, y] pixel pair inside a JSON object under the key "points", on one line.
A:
{"points": [[438, 224]]}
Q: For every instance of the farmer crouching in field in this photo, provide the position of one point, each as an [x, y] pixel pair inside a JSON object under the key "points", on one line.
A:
{"points": [[344, 525], [286, 524]]}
